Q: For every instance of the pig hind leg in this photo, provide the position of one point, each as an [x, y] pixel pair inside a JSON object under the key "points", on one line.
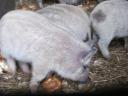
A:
{"points": [[25, 67], [39, 72]]}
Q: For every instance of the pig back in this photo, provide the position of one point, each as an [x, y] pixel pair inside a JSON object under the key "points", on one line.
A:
{"points": [[70, 18], [112, 13], [26, 39], [29, 35]]}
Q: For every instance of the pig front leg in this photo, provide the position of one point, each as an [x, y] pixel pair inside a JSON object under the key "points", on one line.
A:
{"points": [[24, 67], [39, 72], [103, 44], [126, 43]]}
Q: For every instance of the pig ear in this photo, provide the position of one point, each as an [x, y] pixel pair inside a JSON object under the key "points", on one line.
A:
{"points": [[87, 58], [91, 43]]}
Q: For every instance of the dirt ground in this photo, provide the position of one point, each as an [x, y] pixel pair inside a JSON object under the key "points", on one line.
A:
{"points": [[103, 75]]}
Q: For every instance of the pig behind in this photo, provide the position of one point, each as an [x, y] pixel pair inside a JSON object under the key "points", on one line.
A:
{"points": [[110, 20], [47, 47]]}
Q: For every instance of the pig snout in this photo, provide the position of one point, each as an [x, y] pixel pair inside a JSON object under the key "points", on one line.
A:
{"points": [[85, 59]]}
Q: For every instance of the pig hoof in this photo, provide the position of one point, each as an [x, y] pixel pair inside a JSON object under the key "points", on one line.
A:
{"points": [[107, 57], [33, 88]]}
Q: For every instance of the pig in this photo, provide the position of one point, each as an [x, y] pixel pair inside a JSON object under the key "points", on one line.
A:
{"points": [[110, 20], [69, 17], [47, 47], [72, 2], [40, 3], [99, 1]]}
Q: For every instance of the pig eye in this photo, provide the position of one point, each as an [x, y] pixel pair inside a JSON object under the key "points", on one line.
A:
{"points": [[85, 67], [87, 38]]}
